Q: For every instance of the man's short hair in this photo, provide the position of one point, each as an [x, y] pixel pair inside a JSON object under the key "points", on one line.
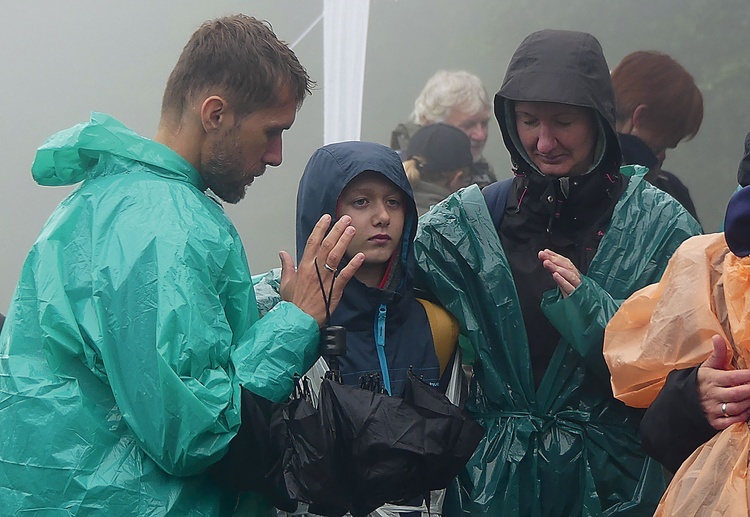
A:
{"points": [[239, 58], [675, 104], [447, 90]]}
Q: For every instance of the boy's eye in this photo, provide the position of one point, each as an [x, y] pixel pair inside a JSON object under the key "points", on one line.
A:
{"points": [[394, 203], [360, 201]]}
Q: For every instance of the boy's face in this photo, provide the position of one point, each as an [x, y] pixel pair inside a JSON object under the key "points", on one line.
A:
{"points": [[376, 207]]}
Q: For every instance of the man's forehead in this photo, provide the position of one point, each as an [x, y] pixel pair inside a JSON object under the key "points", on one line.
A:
{"points": [[278, 116], [458, 115]]}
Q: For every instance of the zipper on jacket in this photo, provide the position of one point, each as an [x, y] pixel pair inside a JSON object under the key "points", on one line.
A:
{"points": [[380, 346]]}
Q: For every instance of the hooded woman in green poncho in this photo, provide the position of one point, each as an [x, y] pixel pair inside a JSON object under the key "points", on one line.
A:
{"points": [[533, 270]]}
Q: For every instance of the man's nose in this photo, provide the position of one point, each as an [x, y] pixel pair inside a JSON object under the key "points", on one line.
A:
{"points": [[273, 154], [478, 132]]}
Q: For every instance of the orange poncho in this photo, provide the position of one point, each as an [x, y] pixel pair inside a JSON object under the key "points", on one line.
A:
{"points": [[666, 326]]}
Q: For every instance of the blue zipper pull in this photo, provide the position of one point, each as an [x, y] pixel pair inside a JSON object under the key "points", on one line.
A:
{"points": [[380, 346]]}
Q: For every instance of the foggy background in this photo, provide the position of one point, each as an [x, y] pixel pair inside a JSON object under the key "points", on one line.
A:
{"points": [[62, 60]]}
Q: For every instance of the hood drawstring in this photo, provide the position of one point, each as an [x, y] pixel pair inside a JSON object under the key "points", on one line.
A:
{"points": [[612, 182], [520, 200], [555, 215], [518, 174], [564, 183]]}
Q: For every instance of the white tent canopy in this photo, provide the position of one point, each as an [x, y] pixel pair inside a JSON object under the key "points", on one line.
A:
{"points": [[344, 51]]}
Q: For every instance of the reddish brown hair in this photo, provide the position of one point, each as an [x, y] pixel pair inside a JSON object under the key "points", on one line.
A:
{"points": [[675, 104]]}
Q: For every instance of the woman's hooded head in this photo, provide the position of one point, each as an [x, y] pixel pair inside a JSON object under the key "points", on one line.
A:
{"points": [[564, 67]]}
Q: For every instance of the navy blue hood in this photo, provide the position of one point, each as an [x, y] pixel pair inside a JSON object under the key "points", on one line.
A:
{"points": [[368, 312], [329, 171]]}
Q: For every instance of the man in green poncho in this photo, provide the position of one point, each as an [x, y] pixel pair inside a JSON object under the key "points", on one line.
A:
{"points": [[533, 270], [134, 328]]}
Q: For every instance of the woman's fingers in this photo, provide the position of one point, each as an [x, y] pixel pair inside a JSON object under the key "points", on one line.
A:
{"points": [[564, 272]]}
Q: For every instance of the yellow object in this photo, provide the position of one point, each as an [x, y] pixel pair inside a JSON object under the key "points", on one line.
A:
{"points": [[444, 329]]}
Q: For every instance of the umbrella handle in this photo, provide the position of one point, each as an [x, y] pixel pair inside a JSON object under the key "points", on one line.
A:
{"points": [[333, 345]]}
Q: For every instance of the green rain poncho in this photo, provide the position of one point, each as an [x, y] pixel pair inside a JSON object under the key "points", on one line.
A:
{"points": [[568, 448], [131, 329]]}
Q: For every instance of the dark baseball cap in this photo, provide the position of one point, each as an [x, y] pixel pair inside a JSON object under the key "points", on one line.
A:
{"points": [[444, 148]]}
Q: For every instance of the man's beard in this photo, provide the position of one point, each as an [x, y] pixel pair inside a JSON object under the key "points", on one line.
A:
{"points": [[222, 180], [222, 173]]}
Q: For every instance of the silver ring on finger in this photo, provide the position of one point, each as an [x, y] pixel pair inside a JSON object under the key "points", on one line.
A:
{"points": [[329, 268], [724, 410]]}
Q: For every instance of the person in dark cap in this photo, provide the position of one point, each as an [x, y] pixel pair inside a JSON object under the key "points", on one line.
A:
{"points": [[533, 268], [458, 98], [437, 162]]}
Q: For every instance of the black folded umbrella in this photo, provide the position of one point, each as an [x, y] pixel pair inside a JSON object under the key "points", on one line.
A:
{"points": [[365, 449], [254, 459], [307, 449], [359, 449]]}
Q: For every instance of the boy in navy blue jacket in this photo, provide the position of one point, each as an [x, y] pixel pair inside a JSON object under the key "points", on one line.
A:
{"points": [[387, 329]]}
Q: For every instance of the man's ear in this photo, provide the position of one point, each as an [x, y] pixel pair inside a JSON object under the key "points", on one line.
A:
{"points": [[214, 113], [639, 116]]}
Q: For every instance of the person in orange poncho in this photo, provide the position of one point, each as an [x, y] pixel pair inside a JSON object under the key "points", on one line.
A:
{"points": [[681, 348]]}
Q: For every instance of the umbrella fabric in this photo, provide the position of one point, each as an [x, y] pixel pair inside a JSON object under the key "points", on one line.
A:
{"points": [[365, 449], [450, 435], [254, 460], [308, 463]]}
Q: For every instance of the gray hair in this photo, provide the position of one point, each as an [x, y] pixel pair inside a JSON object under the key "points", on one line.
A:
{"points": [[447, 90]]}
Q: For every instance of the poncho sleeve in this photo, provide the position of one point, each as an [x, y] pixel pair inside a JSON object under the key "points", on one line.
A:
{"points": [[581, 318], [668, 325], [174, 323]]}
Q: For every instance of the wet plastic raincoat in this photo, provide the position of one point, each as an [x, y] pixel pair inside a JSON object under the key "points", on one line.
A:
{"points": [[130, 332], [668, 326], [564, 447], [571, 430]]}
